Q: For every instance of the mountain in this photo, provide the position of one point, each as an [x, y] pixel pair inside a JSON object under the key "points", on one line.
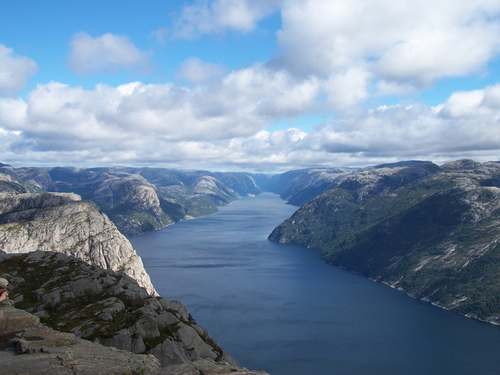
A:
{"points": [[9, 185], [139, 200], [66, 224], [69, 266], [299, 186], [130, 201], [430, 231]]}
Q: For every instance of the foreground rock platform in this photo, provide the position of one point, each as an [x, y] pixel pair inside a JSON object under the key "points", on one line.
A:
{"points": [[32, 348]]}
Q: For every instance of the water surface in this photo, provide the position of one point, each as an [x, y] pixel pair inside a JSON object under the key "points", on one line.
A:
{"points": [[278, 308]]}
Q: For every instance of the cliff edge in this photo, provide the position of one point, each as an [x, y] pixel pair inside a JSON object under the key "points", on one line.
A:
{"points": [[97, 321], [62, 222]]}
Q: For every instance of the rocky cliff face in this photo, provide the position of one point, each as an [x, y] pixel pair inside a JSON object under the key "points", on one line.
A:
{"points": [[137, 200], [10, 185], [60, 254], [83, 301], [431, 231], [66, 224], [300, 186], [129, 200]]}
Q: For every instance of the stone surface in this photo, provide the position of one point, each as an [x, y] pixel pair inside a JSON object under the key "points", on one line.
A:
{"points": [[14, 320], [106, 307], [41, 350], [63, 223]]}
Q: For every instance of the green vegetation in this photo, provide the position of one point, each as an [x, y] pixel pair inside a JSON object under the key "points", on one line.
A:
{"points": [[82, 313], [435, 237]]}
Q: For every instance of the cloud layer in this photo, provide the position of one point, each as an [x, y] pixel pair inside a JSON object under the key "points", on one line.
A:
{"points": [[383, 47], [331, 58], [139, 123]]}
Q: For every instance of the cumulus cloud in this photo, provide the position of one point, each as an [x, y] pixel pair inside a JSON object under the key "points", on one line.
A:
{"points": [[417, 131], [354, 49], [213, 17], [392, 47], [14, 71], [332, 56], [108, 53], [241, 104], [162, 124]]}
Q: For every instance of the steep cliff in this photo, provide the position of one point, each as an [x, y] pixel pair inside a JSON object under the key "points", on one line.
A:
{"points": [[129, 200], [10, 185], [139, 200], [300, 186], [66, 224], [431, 231], [86, 302]]}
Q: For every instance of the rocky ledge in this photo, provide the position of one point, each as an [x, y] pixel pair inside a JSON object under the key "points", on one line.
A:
{"points": [[64, 223], [86, 310], [29, 347]]}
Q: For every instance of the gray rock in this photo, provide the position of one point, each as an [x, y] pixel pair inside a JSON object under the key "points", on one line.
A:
{"points": [[195, 346], [166, 319], [175, 306], [54, 352], [84, 287], [52, 298], [146, 327], [63, 223], [122, 340], [138, 345], [170, 352]]}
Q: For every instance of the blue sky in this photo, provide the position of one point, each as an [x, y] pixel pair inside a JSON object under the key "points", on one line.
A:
{"points": [[262, 85]]}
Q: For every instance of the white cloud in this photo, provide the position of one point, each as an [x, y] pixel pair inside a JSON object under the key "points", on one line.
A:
{"points": [[162, 124], [240, 105], [108, 53], [417, 131], [347, 88], [347, 51], [14, 71], [213, 17], [334, 55], [474, 104], [396, 47], [196, 71]]}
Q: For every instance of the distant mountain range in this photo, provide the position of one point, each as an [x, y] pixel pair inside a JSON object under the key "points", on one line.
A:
{"points": [[139, 200], [432, 231]]}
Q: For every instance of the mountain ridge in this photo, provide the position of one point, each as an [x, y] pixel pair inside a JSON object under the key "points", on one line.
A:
{"points": [[431, 231]]}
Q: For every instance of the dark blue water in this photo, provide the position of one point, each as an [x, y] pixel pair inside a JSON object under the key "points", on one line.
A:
{"points": [[278, 308]]}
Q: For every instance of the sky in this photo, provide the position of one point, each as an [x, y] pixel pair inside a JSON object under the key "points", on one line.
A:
{"points": [[248, 85]]}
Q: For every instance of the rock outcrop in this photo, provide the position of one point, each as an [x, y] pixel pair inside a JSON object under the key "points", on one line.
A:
{"points": [[299, 186], [139, 200], [76, 301], [10, 185], [66, 224], [33, 348]]}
